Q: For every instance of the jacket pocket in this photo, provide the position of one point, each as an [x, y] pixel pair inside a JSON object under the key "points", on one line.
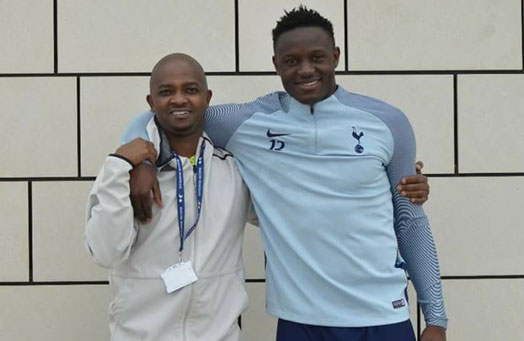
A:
{"points": [[217, 304]]}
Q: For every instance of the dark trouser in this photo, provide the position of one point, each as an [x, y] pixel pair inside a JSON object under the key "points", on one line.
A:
{"points": [[291, 331]]}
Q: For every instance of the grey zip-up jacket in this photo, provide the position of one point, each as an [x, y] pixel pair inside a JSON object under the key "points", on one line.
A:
{"points": [[138, 253]]}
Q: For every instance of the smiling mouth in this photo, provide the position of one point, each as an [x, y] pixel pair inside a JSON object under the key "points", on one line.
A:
{"points": [[309, 84], [179, 113]]}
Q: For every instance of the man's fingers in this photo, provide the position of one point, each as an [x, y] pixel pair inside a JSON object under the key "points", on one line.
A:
{"points": [[413, 188], [419, 201], [147, 207], [136, 201], [414, 179], [153, 151], [418, 166], [414, 194], [143, 181], [157, 196], [151, 157]]}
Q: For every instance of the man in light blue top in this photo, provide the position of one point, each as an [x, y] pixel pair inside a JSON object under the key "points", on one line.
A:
{"points": [[322, 165]]}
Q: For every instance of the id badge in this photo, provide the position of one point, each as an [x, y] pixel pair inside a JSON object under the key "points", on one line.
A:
{"points": [[178, 276]]}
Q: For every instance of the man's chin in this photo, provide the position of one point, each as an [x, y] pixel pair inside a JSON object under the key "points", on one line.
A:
{"points": [[184, 131], [308, 99]]}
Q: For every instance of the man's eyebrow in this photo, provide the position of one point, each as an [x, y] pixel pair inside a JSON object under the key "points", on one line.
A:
{"points": [[294, 52], [193, 83], [190, 83]]}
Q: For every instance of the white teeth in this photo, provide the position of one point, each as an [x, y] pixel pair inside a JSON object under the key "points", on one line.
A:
{"points": [[179, 113], [310, 83]]}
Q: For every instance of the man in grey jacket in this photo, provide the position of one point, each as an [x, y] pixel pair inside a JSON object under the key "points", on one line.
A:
{"points": [[180, 275]]}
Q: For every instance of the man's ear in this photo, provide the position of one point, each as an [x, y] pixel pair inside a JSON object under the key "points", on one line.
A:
{"points": [[149, 101], [336, 55], [274, 59], [209, 95]]}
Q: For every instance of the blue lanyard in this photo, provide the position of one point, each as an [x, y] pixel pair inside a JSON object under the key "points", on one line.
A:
{"points": [[180, 194]]}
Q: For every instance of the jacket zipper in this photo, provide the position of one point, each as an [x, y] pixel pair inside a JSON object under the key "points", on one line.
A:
{"points": [[312, 110], [184, 336]]}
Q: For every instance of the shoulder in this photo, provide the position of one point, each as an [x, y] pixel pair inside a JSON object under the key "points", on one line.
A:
{"points": [[366, 103], [217, 153], [267, 104], [223, 120], [392, 116], [222, 154], [223, 169]]}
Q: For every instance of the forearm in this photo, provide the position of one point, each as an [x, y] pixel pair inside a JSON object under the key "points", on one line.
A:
{"points": [[417, 247], [110, 232], [415, 240]]}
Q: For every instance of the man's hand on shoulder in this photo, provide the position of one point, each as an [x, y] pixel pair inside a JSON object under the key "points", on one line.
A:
{"points": [[143, 182], [143, 177], [137, 151], [415, 187], [433, 333]]}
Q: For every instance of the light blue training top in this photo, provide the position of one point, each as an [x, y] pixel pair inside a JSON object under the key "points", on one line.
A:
{"points": [[337, 235]]}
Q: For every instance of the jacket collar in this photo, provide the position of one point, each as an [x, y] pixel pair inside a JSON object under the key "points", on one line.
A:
{"points": [[303, 109], [159, 139]]}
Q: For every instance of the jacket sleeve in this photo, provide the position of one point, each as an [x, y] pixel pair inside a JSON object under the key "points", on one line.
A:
{"points": [[110, 230], [415, 240], [137, 128]]}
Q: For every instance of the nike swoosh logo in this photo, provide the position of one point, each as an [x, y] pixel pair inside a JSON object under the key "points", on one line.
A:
{"points": [[270, 134]]}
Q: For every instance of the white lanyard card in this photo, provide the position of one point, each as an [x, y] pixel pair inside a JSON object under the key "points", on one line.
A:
{"points": [[178, 276]]}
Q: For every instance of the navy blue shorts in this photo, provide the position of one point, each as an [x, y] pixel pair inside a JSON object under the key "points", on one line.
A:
{"points": [[291, 331]]}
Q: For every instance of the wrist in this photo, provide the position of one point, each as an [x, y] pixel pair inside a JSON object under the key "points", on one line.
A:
{"points": [[123, 158], [438, 323]]}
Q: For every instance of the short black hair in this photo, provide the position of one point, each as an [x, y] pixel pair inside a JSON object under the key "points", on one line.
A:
{"points": [[301, 17]]}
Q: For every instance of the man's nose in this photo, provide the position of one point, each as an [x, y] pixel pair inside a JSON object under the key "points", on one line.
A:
{"points": [[305, 68], [178, 98]]}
